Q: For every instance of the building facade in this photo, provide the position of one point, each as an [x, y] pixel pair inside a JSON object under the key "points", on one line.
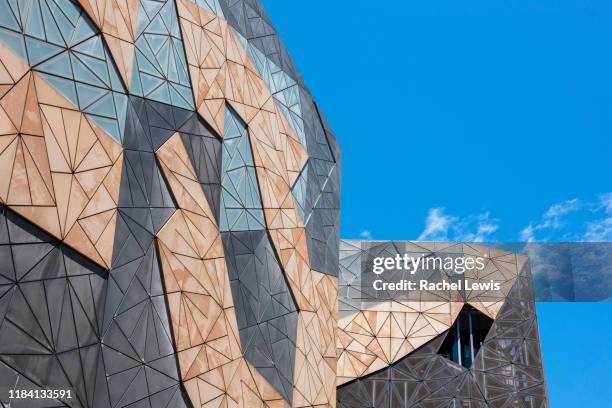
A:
{"points": [[169, 230], [170, 198], [474, 346]]}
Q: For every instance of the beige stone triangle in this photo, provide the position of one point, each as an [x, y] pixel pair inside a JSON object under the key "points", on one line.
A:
{"points": [[8, 148]]}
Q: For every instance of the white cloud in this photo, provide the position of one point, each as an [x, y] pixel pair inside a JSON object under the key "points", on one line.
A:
{"points": [[599, 231], [485, 227], [592, 221], [473, 228], [528, 233], [365, 234], [552, 219], [605, 201], [436, 225], [569, 220]]}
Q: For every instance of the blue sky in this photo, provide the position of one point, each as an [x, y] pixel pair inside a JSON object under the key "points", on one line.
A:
{"points": [[486, 111], [576, 339], [473, 120]]}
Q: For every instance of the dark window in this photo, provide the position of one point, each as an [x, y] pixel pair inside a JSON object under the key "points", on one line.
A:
{"points": [[466, 336]]}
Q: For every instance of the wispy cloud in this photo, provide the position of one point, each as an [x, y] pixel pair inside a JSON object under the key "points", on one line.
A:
{"points": [[573, 220], [600, 230], [552, 219], [528, 233], [436, 225], [443, 227], [485, 228], [605, 202], [365, 234], [570, 220]]}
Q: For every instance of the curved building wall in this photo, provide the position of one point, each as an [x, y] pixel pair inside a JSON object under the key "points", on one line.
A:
{"points": [[169, 208], [169, 229]]}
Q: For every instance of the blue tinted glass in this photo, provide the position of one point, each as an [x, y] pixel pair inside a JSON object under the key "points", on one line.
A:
{"points": [[84, 30], [92, 47], [63, 86], [65, 24], [104, 106], [241, 207], [39, 51], [7, 17], [53, 33], [34, 24], [108, 125], [121, 107], [15, 42], [161, 93], [150, 83], [67, 8], [97, 73], [160, 55], [88, 94], [58, 65], [83, 73]]}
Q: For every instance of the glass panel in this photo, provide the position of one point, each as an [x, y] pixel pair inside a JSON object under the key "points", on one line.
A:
{"points": [[64, 87], [241, 207], [466, 336], [14, 41], [7, 17], [38, 51], [34, 22]]}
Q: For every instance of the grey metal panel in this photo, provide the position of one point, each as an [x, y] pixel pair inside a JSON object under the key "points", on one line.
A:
{"points": [[138, 356], [249, 18], [507, 371], [49, 321], [265, 309], [319, 191]]}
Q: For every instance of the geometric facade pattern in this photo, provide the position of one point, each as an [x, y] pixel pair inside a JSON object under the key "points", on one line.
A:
{"points": [[224, 77], [169, 230], [199, 296], [316, 191], [57, 40], [266, 313], [63, 171], [240, 201], [170, 208], [159, 71], [49, 295], [384, 363]]}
